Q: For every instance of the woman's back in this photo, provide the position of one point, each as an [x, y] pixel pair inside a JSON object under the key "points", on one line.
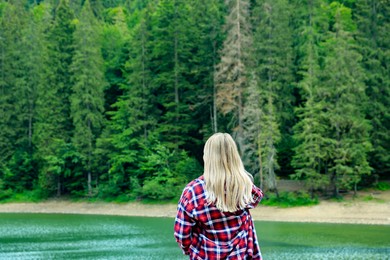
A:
{"points": [[213, 219], [214, 234]]}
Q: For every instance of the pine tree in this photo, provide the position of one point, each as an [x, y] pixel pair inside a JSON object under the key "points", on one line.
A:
{"points": [[53, 127], [309, 132], [16, 166], [131, 118], [272, 52], [253, 112], [333, 131], [342, 90], [208, 17], [87, 99], [231, 74], [115, 38], [373, 23], [171, 58], [35, 65], [35, 61], [10, 35], [344, 93]]}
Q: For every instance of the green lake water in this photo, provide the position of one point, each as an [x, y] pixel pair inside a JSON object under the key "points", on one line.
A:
{"points": [[62, 236]]}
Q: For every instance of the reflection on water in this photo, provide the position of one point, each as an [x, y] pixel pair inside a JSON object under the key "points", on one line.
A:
{"points": [[57, 236]]}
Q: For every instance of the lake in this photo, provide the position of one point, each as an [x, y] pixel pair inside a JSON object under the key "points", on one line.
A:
{"points": [[63, 236]]}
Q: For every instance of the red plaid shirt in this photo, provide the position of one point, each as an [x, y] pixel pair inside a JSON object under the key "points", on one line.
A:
{"points": [[205, 232]]}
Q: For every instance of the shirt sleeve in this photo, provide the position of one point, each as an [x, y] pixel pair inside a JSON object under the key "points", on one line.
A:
{"points": [[183, 226], [257, 195]]}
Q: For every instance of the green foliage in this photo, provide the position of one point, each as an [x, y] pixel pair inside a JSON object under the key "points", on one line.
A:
{"points": [[372, 18], [114, 99], [21, 173], [166, 172], [309, 133], [25, 196], [333, 134], [383, 186], [87, 99], [269, 92], [13, 102], [52, 127], [290, 199], [5, 194]]}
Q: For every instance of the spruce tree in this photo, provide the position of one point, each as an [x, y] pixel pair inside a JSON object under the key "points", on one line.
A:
{"points": [[53, 128], [344, 92], [372, 18], [253, 112], [333, 131], [87, 99], [131, 116], [171, 59], [16, 101], [272, 52], [115, 40], [309, 132], [231, 73], [208, 35], [10, 37], [35, 61]]}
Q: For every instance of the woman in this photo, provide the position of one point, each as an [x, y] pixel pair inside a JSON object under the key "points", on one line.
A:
{"points": [[213, 219]]}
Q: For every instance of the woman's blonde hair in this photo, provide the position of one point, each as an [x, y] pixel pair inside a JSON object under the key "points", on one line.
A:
{"points": [[227, 183]]}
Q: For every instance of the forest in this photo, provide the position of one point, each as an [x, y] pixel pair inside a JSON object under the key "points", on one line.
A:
{"points": [[115, 99]]}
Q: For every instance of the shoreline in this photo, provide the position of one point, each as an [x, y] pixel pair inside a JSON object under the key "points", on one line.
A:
{"points": [[349, 212]]}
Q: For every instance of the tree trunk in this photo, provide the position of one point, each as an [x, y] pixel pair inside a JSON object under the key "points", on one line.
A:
{"points": [[58, 186], [261, 167]]}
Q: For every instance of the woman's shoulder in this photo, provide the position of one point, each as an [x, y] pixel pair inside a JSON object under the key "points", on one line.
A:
{"points": [[194, 188], [196, 182]]}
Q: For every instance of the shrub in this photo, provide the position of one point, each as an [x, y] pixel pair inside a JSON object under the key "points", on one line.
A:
{"points": [[383, 186], [165, 172], [25, 196], [5, 194], [290, 199]]}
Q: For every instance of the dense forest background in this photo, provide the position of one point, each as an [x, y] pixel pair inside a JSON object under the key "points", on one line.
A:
{"points": [[116, 98]]}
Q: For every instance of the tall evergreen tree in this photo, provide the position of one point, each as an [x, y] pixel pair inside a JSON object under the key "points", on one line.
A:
{"points": [[333, 131], [208, 35], [309, 132], [35, 61], [272, 52], [115, 37], [53, 128], [252, 128], [10, 35], [87, 100], [231, 74], [372, 17], [16, 101], [344, 92], [171, 59], [35, 64], [131, 118]]}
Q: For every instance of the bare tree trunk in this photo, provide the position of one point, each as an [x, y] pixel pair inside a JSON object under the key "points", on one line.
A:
{"points": [[30, 119], [143, 77], [58, 186], [89, 181], [241, 81], [214, 116], [261, 167], [176, 68]]}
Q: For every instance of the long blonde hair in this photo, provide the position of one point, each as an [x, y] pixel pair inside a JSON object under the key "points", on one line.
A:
{"points": [[227, 183]]}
